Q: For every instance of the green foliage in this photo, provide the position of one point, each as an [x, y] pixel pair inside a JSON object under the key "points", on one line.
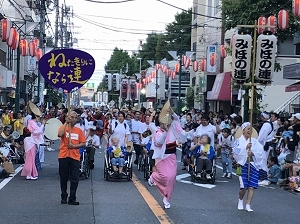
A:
{"points": [[118, 61], [245, 12], [189, 98], [177, 37], [53, 96]]}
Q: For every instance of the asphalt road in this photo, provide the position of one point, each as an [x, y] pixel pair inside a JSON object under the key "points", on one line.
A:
{"points": [[30, 202]]}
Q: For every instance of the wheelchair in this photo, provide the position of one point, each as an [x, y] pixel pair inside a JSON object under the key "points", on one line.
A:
{"points": [[85, 170], [109, 171], [193, 167]]}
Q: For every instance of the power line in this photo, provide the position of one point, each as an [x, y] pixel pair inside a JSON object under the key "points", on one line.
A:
{"points": [[110, 2]]}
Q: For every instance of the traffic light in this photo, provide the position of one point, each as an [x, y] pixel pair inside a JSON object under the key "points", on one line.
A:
{"points": [[133, 90], [108, 81], [124, 89], [116, 81]]}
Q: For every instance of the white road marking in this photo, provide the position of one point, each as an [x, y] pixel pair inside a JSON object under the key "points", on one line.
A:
{"points": [[221, 168], [6, 180], [222, 181], [185, 175]]}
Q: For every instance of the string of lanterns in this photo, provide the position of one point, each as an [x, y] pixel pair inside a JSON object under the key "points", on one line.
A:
{"points": [[12, 38]]}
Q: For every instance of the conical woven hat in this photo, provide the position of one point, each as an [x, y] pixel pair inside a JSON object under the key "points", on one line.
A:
{"points": [[165, 117]]}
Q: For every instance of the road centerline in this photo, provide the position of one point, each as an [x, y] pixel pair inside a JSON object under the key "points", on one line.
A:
{"points": [[157, 210]]}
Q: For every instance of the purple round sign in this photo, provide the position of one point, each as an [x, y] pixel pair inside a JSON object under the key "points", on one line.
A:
{"points": [[67, 69]]}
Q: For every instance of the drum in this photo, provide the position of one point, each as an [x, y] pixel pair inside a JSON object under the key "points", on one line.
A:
{"points": [[51, 129]]}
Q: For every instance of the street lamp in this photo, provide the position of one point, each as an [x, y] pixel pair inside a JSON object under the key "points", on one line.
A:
{"points": [[140, 59]]}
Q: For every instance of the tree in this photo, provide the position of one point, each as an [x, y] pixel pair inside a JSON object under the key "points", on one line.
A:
{"points": [[189, 98], [247, 11], [177, 37], [118, 61]]}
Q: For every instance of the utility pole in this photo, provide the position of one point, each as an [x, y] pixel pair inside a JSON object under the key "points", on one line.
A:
{"points": [[56, 23], [62, 31], [41, 42]]}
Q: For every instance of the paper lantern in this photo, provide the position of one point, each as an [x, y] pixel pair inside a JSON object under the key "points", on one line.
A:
{"points": [[231, 41], [261, 22], [283, 19], [296, 7], [223, 51], [157, 67], [6, 25], [38, 53], [173, 75], [165, 69], [272, 24], [202, 64], [36, 42], [183, 59], [212, 59], [187, 63], [13, 39], [169, 72], [241, 58], [177, 67], [23, 47], [195, 66], [32, 48], [265, 57]]}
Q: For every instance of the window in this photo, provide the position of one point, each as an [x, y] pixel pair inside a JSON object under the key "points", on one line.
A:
{"points": [[217, 6], [195, 12], [209, 8], [3, 57]]}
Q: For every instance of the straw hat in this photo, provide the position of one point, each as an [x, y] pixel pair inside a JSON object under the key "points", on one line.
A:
{"points": [[239, 133], [164, 116], [34, 109]]}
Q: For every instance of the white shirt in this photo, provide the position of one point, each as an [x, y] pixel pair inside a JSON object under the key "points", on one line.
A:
{"points": [[209, 130], [95, 140], [136, 127], [119, 131], [266, 134]]}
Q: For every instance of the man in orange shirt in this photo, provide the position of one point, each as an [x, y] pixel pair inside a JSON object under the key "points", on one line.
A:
{"points": [[69, 158]]}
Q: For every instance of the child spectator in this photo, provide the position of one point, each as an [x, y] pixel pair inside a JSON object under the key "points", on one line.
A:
{"points": [[225, 143], [274, 172]]}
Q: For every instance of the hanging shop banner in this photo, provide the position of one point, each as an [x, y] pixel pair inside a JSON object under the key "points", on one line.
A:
{"points": [[241, 57], [265, 57], [67, 69]]}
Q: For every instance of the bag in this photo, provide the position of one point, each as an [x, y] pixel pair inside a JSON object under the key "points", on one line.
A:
{"points": [[8, 167], [238, 170], [116, 124], [291, 144], [3, 174]]}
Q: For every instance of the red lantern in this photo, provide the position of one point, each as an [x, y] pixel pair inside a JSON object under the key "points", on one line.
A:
{"points": [[32, 49], [223, 51], [169, 72], [153, 75], [13, 39], [173, 75], [212, 60], [283, 19], [165, 69], [187, 63], [36, 42], [177, 67], [262, 22], [272, 24], [157, 67], [38, 53], [183, 59], [23, 47], [202, 64], [5, 24], [144, 81], [296, 7], [195, 66]]}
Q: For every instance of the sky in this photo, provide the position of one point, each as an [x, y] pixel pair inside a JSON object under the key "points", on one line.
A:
{"points": [[134, 19]]}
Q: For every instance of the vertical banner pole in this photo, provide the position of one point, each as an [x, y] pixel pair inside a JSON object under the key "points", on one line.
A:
{"points": [[69, 113]]}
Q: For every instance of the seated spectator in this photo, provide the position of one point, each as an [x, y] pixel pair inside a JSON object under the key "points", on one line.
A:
{"points": [[207, 153], [118, 156], [274, 172]]}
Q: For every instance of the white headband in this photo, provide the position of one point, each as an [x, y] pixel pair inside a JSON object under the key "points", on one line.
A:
{"points": [[265, 115], [244, 125]]}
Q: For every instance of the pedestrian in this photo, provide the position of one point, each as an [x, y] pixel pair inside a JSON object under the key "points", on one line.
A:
{"points": [[165, 153], [245, 149], [69, 157]]}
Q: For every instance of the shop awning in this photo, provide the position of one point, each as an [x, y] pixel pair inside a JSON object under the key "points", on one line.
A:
{"points": [[221, 90], [293, 88]]}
